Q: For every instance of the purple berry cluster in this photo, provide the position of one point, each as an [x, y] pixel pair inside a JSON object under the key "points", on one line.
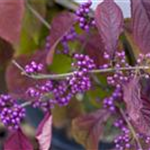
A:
{"points": [[68, 37], [144, 60], [116, 80], [33, 67], [41, 97], [145, 140], [80, 80], [11, 113], [109, 102], [49, 94], [85, 22], [60, 92], [125, 140], [122, 142], [120, 76]]}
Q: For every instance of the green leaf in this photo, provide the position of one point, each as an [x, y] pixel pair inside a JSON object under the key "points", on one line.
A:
{"points": [[61, 64], [64, 115], [31, 27]]}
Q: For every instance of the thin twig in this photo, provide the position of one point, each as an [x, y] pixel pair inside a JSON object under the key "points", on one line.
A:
{"points": [[38, 16], [131, 129], [72, 5], [25, 104], [64, 75]]}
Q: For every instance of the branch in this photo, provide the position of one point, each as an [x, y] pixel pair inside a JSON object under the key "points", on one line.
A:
{"points": [[38, 16], [70, 4], [131, 129], [64, 75]]}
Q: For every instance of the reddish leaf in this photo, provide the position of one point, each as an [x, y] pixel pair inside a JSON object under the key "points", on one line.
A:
{"points": [[44, 132], [94, 47], [109, 21], [18, 84], [61, 24], [138, 106], [88, 128], [11, 14], [17, 141], [141, 24], [6, 52]]}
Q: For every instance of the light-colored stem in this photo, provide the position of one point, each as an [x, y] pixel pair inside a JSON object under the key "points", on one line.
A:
{"points": [[25, 104], [64, 75], [38, 16], [72, 5], [131, 129]]}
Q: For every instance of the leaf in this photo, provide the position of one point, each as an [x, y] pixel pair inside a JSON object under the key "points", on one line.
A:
{"points": [[44, 132], [94, 47], [131, 46], [59, 59], [88, 128], [141, 24], [61, 24], [32, 24], [6, 52], [17, 83], [62, 116], [11, 14], [109, 21], [138, 106], [17, 141]]}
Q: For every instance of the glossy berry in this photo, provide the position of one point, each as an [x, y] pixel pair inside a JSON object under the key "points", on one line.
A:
{"points": [[33, 67], [85, 22], [11, 113]]}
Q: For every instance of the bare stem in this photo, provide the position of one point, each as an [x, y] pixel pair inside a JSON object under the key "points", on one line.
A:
{"points": [[131, 129], [71, 5], [26, 104], [38, 16], [64, 75]]}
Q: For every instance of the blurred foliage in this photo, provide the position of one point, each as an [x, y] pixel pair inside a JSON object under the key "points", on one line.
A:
{"points": [[62, 116], [61, 64]]}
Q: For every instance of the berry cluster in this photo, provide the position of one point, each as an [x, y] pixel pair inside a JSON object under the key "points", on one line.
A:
{"points": [[61, 92], [144, 60], [116, 80], [70, 36], [49, 94], [80, 81], [85, 22], [33, 67], [40, 96], [119, 76], [109, 102], [11, 113], [122, 142], [145, 140]]}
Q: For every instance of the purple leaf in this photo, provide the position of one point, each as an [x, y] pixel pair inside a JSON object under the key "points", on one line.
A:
{"points": [[61, 24], [44, 132], [17, 83], [11, 14], [88, 128], [17, 141], [94, 47], [141, 24], [109, 21], [6, 52], [138, 106]]}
